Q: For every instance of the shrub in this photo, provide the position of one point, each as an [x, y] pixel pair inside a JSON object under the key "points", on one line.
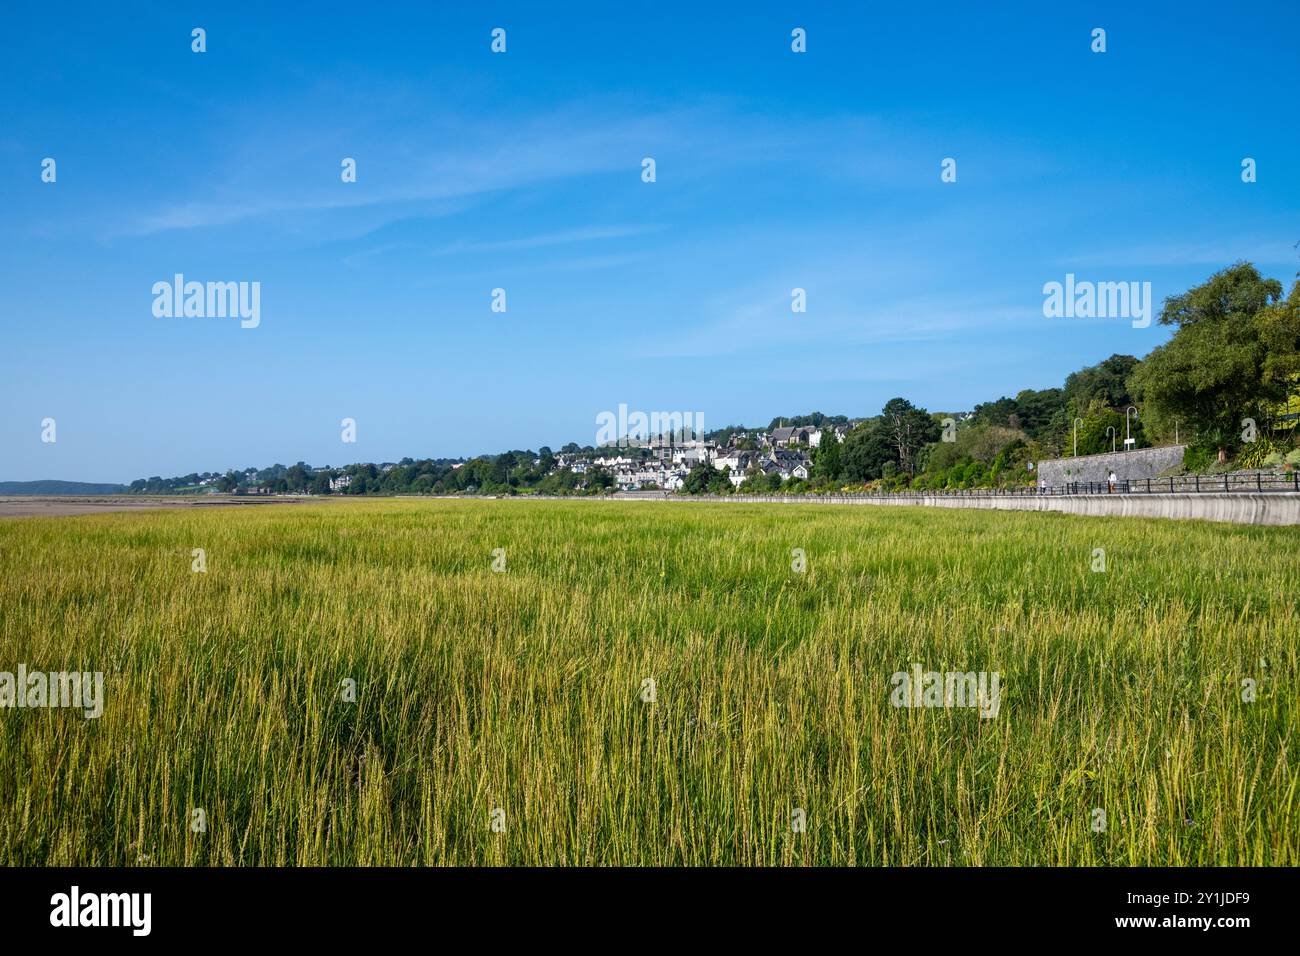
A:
{"points": [[1199, 458], [1257, 455]]}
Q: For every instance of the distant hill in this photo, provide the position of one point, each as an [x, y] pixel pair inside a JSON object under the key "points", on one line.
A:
{"points": [[51, 487]]}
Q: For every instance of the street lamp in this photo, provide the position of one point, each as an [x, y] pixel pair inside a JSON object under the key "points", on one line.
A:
{"points": [[1110, 430], [1127, 439], [1077, 423]]}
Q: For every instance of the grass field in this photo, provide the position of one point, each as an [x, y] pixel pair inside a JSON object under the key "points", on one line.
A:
{"points": [[522, 690]]}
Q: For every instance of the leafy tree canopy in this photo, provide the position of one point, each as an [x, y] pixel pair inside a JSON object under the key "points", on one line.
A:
{"points": [[1234, 352]]}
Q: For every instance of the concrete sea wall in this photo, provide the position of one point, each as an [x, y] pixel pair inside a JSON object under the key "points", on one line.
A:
{"points": [[1238, 507]]}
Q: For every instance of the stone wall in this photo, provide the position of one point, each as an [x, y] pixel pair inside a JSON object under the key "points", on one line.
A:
{"points": [[1128, 465]]}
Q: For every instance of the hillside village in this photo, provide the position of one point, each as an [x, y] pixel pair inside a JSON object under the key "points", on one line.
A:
{"points": [[778, 454], [783, 453]]}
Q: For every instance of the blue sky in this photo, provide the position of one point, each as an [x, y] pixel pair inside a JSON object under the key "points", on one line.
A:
{"points": [[522, 171]]}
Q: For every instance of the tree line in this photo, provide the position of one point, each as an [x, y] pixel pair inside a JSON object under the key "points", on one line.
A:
{"points": [[1227, 384]]}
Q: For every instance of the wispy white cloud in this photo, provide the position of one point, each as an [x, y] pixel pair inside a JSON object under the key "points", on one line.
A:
{"points": [[285, 163], [546, 240], [278, 170], [543, 241], [398, 169]]}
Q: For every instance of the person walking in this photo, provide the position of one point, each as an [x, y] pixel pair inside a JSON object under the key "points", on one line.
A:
{"points": [[1111, 480]]}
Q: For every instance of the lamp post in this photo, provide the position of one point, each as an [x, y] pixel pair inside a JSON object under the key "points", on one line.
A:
{"points": [[1077, 423], [1175, 431], [1110, 430], [1128, 440]]}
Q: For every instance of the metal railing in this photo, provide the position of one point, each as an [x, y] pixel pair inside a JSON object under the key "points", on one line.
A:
{"points": [[1193, 484], [1171, 485], [1174, 485]]}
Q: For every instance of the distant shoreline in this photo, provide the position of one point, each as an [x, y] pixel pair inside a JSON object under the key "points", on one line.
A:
{"points": [[54, 486], [52, 506]]}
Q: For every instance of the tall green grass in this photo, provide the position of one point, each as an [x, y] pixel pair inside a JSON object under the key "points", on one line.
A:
{"points": [[521, 690]]}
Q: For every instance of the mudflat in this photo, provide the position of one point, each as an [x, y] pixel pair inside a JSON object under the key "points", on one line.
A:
{"points": [[30, 506]]}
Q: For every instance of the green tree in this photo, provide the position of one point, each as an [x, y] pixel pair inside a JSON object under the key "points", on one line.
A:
{"points": [[1279, 331], [828, 462], [1033, 412], [866, 451], [909, 429], [1094, 437], [598, 478], [1105, 382], [545, 462], [297, 478], [697, 480], [720, 481], [1229, 358]]}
